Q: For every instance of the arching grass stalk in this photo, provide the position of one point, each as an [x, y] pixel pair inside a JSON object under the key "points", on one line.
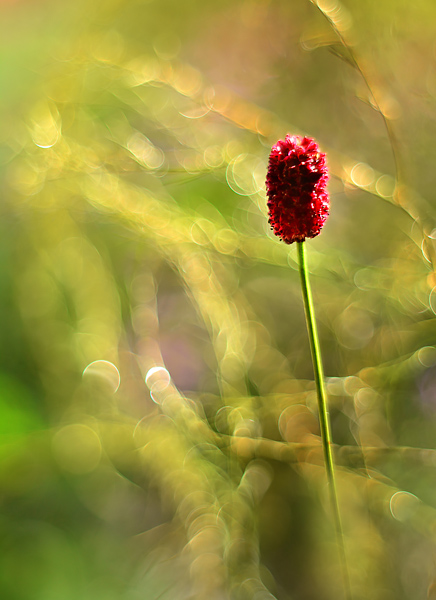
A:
{"points": [[324, 420]]}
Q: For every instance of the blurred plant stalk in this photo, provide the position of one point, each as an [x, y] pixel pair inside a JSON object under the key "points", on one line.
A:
{"points": [[324, 419]]}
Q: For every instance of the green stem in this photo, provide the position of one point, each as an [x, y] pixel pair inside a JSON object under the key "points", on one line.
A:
{"points": [[324, 420]]}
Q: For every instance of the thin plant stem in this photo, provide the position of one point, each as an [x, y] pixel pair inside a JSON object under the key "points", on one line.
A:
{"points": [[324, 420]]}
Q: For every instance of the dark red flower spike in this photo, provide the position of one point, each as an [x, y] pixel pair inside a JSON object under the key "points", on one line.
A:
{"points": [[298, 201]]}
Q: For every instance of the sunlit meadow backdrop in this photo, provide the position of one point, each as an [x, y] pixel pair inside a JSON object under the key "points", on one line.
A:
{"points": [[159, 437]]}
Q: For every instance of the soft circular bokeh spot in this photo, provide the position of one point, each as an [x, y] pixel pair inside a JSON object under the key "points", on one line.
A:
{"points": [[403, 505], [157, 379], [106, 371], [77, 448]]}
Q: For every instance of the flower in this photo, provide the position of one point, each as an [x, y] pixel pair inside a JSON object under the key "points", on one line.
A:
{"points": [[298, 201]]}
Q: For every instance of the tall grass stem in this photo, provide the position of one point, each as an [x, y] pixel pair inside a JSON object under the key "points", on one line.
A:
{"points": [[324, 420]]}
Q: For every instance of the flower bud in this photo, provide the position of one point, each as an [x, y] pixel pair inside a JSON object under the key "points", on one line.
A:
{"points": [[298, 201]]}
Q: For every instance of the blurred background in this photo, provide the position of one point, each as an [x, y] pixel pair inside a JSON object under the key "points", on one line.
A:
{"points": [[158, 424]]}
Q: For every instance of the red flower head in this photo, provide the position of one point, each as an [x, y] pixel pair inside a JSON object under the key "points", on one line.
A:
{"points": [[298, 202]]}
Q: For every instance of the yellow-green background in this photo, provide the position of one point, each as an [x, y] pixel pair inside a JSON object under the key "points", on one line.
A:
{"points": [[134, 248]]}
